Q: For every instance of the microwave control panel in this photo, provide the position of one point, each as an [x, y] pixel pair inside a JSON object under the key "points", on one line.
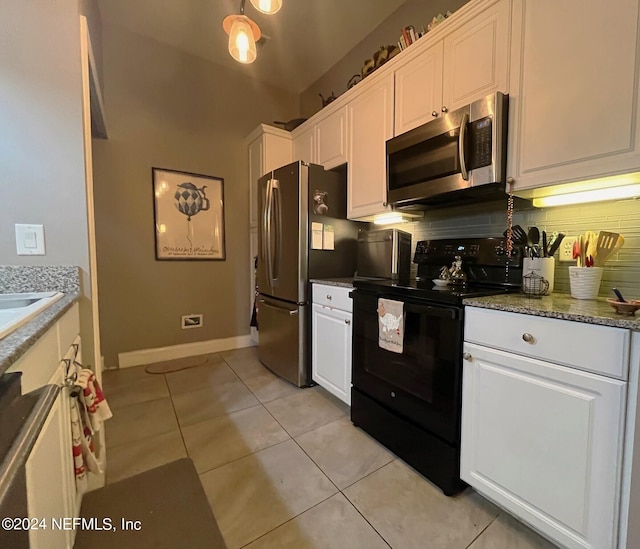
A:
{"points": [[480, 138]]}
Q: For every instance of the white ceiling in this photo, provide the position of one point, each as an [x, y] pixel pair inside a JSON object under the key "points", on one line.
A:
{"points": [[307, 37]]}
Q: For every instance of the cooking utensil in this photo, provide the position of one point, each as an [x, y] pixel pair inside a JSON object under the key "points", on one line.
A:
{"points": [[605, 247], [533, 237], [626, 308], [617, 292], [575, 252], [556, 244], [590, 244], [518, 235], [545, 246]]}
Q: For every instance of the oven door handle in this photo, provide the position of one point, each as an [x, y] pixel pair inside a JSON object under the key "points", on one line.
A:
{"points": [[441, 312]]}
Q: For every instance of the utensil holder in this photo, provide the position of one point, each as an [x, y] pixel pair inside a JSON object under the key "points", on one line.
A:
{"points": [[585, 282], [542, 266]]}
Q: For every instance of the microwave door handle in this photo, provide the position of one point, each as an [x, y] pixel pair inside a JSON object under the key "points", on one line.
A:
{"points": [[461, 147]]}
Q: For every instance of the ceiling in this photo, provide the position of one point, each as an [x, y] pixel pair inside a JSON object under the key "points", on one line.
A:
{"points": [[307, 37]]}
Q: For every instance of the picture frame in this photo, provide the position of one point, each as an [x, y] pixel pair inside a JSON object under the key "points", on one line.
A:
{"points": [[188, 214]]}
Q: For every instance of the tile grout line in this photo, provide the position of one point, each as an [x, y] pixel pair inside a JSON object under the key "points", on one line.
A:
{"points": [[482, 531]]}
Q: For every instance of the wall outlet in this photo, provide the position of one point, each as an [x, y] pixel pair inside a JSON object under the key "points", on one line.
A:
{"points": [[191, 321], [565, 253]]}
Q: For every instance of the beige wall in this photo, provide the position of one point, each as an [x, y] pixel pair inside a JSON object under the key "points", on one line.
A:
{"points": [[171, 110], [413, 12]]}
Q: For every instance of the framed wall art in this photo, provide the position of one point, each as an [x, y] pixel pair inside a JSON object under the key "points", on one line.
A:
{"points": [[188, 215]]}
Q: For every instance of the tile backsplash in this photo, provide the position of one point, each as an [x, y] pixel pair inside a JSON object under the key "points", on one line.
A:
{"points": [[622, 270]]}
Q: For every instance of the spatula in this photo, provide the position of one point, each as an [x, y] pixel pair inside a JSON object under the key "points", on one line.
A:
{"points": [[605, 247]]}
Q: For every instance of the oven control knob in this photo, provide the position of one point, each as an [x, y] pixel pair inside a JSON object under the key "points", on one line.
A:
{"points": [[499, 250], [467, 357], [393, 394]]}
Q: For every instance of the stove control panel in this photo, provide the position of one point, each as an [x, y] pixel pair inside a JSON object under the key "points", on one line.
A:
{"points": [[482, 251]]}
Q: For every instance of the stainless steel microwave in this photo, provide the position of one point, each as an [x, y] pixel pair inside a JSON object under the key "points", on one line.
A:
{"points": [[455, 159]]}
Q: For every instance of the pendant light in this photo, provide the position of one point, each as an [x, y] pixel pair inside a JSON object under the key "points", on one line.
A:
{"points": [[244, 32], [267, 6]]}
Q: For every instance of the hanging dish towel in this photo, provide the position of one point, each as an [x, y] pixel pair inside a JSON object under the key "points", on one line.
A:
{"points": [[390, 325], [88, 409]]}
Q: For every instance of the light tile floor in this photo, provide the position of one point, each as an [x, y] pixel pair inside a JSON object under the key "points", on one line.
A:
{"points": [[284, 467]]}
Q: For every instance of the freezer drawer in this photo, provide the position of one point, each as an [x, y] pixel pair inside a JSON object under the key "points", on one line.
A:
{"points": [[283, 339]]}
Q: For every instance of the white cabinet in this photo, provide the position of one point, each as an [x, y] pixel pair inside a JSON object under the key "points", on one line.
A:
{"points": [[574, 111], [543, 440], [467, 64], [304, 143], [331, 138], [268, 149], [370, 124], [331, 340]]}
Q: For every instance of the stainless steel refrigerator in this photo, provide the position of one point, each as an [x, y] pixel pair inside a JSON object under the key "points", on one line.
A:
{"points": [[302, 234]]}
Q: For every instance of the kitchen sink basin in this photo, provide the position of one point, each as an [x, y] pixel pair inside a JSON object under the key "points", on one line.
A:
{"points": [[17, 309]]}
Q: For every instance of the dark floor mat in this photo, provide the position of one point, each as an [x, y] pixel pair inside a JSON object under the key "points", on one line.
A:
{"points": [[169, 503]]}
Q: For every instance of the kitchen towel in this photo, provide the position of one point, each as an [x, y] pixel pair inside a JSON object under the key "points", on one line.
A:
{"points": [[390, 325]]}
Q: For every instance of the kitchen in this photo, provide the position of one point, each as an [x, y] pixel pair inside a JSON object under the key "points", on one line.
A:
{"points": [[137, 88]]}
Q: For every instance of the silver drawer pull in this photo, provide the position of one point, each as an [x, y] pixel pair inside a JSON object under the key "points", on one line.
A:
{"points": [[528, 338], [347, 321], [329, 297], [294, 312], [467, 356]]}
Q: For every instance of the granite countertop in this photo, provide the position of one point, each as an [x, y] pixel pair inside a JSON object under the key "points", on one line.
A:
{"points": [[562, 306], [342, 282], [14, 345]]}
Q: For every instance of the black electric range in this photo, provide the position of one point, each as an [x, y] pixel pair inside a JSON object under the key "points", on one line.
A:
{"points": [[411, 400]]}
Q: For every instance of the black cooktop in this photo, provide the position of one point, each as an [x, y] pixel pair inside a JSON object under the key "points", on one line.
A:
{"points": [[489, 268]]}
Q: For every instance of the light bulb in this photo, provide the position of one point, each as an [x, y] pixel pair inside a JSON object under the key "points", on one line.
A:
{"points": [[242, 45], [267, 6]]}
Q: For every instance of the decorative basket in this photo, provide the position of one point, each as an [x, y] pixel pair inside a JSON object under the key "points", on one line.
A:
{"points": [[533, 285]]}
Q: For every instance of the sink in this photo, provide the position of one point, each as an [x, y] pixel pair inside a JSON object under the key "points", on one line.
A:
{"points": [[18, 309]]}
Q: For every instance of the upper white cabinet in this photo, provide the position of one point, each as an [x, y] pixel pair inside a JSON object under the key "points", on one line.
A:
{"points": [[467, 64], [574, 111], [304, 143], [369, 125], [331, 138], [269, 148]]}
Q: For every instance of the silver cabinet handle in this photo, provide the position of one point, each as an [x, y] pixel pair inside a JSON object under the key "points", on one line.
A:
{"points": [[329, 297], [467, 356], [528, 338], [434, 114], [294, 312], [444, 109], [347, 321]]}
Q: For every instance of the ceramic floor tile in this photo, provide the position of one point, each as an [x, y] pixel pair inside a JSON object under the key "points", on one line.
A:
{"points": [[209, 402], [346, 409], [209, 375], [303, 411], [239, 355], [248, 367], [267, 386], [332, 524], [406, 510], [136, 457], [343, 452], [255, 494], [117, 378], [141, 420], [150, 387], [507, 533], [226, 438], [184, 363]]}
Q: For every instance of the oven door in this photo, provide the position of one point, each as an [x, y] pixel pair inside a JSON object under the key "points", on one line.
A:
{"points": [[423, 384]]}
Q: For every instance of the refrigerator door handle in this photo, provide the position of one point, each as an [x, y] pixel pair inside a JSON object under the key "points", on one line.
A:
{"points": [[263, 303], [263, 220], [267, 231], [277, 259]]}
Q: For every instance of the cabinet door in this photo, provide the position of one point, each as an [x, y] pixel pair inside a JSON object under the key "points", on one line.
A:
{"points": [[370, 124], [418, 90], [303, 145], [573, 92], [331, 351], [544, 442], [476, 57], [47, 487], [331, 139]]}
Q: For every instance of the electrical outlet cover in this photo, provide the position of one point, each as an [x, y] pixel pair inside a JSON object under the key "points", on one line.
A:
{"points": [[565, 252]]}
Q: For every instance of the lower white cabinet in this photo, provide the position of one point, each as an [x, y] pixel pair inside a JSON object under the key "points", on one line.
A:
{"points": [[544, 441], [331, 340]]}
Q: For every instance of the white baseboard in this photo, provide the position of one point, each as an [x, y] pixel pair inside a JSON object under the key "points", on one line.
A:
{"points": [[160, 354]]}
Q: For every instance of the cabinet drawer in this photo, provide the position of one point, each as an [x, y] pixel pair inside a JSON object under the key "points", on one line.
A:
{"points": [[336, 297], [600, 349]]}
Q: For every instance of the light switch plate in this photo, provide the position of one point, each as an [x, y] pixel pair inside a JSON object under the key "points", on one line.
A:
{"points": [[30, 239]]}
